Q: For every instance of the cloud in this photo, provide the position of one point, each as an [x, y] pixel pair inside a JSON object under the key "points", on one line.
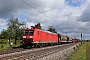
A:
{"points": [[2, 22], [12, 7], [85, 17]]}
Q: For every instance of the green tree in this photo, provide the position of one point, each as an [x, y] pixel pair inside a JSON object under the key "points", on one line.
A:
{"points": [[15, 28], [3, 34], [51, 29], [38, 26]]}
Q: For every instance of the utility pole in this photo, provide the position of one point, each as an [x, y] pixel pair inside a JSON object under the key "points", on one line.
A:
{"points": [[81, 37]]}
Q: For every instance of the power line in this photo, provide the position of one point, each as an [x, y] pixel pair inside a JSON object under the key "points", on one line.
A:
{"points": [[45, 6], [39, 11], [18, 13], [35, 9], [12, 11], [32, 7], [41, 3]]}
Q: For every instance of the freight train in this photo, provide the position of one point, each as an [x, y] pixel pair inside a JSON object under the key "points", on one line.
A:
{"points": [[37, 37]]}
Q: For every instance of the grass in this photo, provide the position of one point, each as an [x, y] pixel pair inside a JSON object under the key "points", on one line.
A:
{"points": [[88, 51], [79, 53], [4, 45]]}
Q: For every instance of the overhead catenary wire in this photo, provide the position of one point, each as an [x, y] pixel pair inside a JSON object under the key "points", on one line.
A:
{"points": [[39, 11], [18, 13], [33, 8], [10, 10], [41, 3], [60, 23]]}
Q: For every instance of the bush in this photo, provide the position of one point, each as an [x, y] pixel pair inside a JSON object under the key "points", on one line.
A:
{"points": [[2, 46]]}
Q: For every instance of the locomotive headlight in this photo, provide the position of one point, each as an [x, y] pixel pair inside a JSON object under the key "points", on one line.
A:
{"points": [[24, 36], [31, 36]]}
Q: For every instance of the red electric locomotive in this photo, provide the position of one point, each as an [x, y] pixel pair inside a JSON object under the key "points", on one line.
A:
{"points": [[34, 36]]}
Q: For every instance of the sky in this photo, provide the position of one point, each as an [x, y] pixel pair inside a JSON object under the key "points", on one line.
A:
{"points": [[66, 16]]}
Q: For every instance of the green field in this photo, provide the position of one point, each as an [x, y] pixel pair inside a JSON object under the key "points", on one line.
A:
{"points": [[88, 51], [81, 53], [4, 44]]}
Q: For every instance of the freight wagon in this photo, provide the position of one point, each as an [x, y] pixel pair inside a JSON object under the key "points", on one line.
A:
{"points": [[75, 40]]}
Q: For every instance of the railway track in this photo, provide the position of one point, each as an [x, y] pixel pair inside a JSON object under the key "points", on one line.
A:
{"points": [[12, 51], [34, 54]]}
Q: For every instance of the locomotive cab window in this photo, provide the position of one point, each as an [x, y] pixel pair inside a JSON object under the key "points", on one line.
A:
{"points": [[29, 31]]}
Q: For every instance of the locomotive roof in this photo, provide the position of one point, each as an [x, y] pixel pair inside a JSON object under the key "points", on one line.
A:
{"points": [[49, 32], [40, 30]]}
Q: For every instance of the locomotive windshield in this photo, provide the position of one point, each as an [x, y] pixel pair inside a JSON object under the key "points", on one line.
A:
{"points": [[29, 32]]}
